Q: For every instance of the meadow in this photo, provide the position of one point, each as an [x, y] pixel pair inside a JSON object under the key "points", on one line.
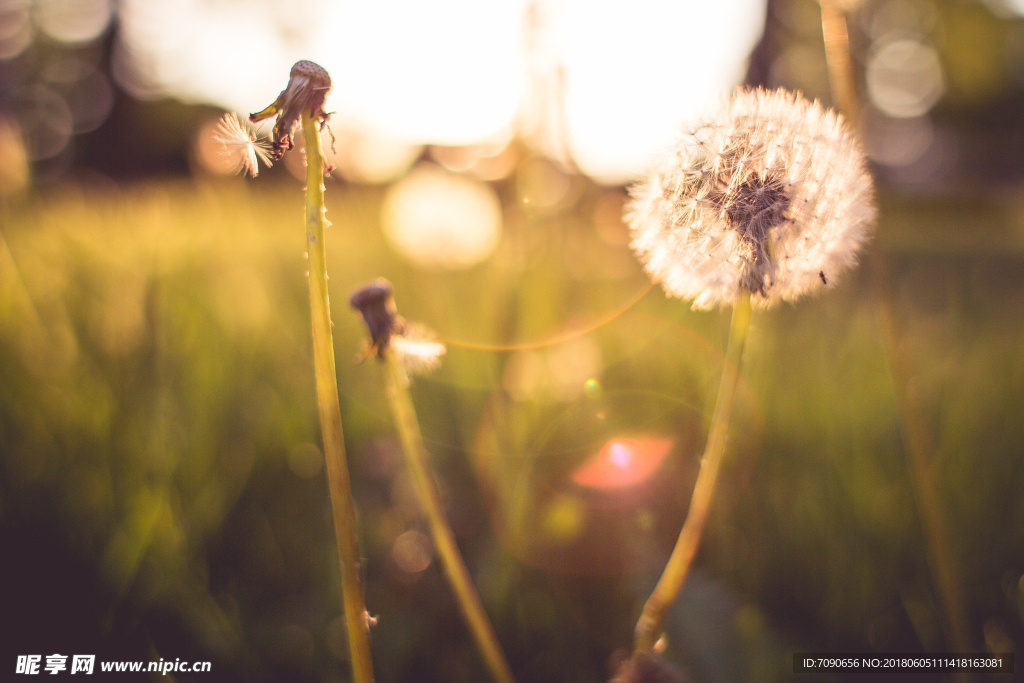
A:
{"points": [[161, 485]]}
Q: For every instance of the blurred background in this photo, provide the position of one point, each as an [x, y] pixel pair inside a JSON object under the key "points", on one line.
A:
{"points": [[161, 485]]}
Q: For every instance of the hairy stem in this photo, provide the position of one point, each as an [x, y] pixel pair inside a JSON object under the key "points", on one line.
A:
{"points": [[444, 539], [338, 482], [648, 628]]}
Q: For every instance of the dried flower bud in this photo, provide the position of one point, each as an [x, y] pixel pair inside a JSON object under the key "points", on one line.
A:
{"points": [[413, 345], [375, 301], [771, 195], [307, 90]]}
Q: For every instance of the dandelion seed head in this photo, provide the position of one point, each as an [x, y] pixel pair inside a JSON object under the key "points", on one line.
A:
{"points": [[768, 194], [308, 85], [241, 145]]}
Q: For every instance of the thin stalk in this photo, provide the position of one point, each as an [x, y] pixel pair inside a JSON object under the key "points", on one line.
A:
{"points": [[837, 56], [918, 443], [648, 628], [916, 440], [444, 540], [338, 483]]}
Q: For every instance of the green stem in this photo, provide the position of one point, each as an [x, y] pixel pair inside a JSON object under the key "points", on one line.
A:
{"points": [[648, 628], [338, 483], [918, 443], [444, 539], [944, 569], [837, 58]]}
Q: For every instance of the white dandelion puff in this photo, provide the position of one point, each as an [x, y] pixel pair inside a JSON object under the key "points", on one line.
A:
{"points": [[769, 195], [241, 145], [418, 349]]}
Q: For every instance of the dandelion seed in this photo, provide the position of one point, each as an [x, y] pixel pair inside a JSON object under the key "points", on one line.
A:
{"points": [[765, 196], [308, 85], [418, 349], [241, 145]]}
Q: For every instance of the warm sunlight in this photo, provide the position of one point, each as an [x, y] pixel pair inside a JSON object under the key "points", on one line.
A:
{"points": [[515, 340], [610, 82]]}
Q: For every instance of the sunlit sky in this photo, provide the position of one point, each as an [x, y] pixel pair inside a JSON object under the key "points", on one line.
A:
{"points": [[459, 71]]}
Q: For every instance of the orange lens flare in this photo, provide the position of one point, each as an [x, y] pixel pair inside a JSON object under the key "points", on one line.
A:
{"points": [[622, 462]]}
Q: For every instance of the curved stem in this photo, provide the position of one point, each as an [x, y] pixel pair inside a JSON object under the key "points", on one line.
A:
{"points": [[648, 628], [338, 482], [444, 540]]}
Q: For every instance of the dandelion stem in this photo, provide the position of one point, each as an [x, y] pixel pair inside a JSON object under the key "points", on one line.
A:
{"points": [[837, 55], [648, 628], [916, 440], [918, 443], [338, 482], [444, 539]]}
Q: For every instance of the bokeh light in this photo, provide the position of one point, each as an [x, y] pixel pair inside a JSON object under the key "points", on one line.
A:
{"points": [[486, 161], [904, 78], [73, 21], [559, 372], [542, 185], [84, 88], [562, 519], [896, 141], [412, 551], [363, 155], [305, 460], [46, 121], [16, 28], [437, 219]]}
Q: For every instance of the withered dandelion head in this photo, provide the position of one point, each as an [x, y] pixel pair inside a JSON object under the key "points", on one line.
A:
{"points": [[415, 346], [377, 304], [241, 145], [308, 85], [770, 195]]}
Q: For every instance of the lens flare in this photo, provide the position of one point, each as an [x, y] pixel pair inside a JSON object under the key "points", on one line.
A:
{"points": [[622, 462]]}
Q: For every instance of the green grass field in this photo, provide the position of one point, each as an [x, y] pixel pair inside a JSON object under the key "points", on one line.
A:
{"points": [[160, 487]]}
